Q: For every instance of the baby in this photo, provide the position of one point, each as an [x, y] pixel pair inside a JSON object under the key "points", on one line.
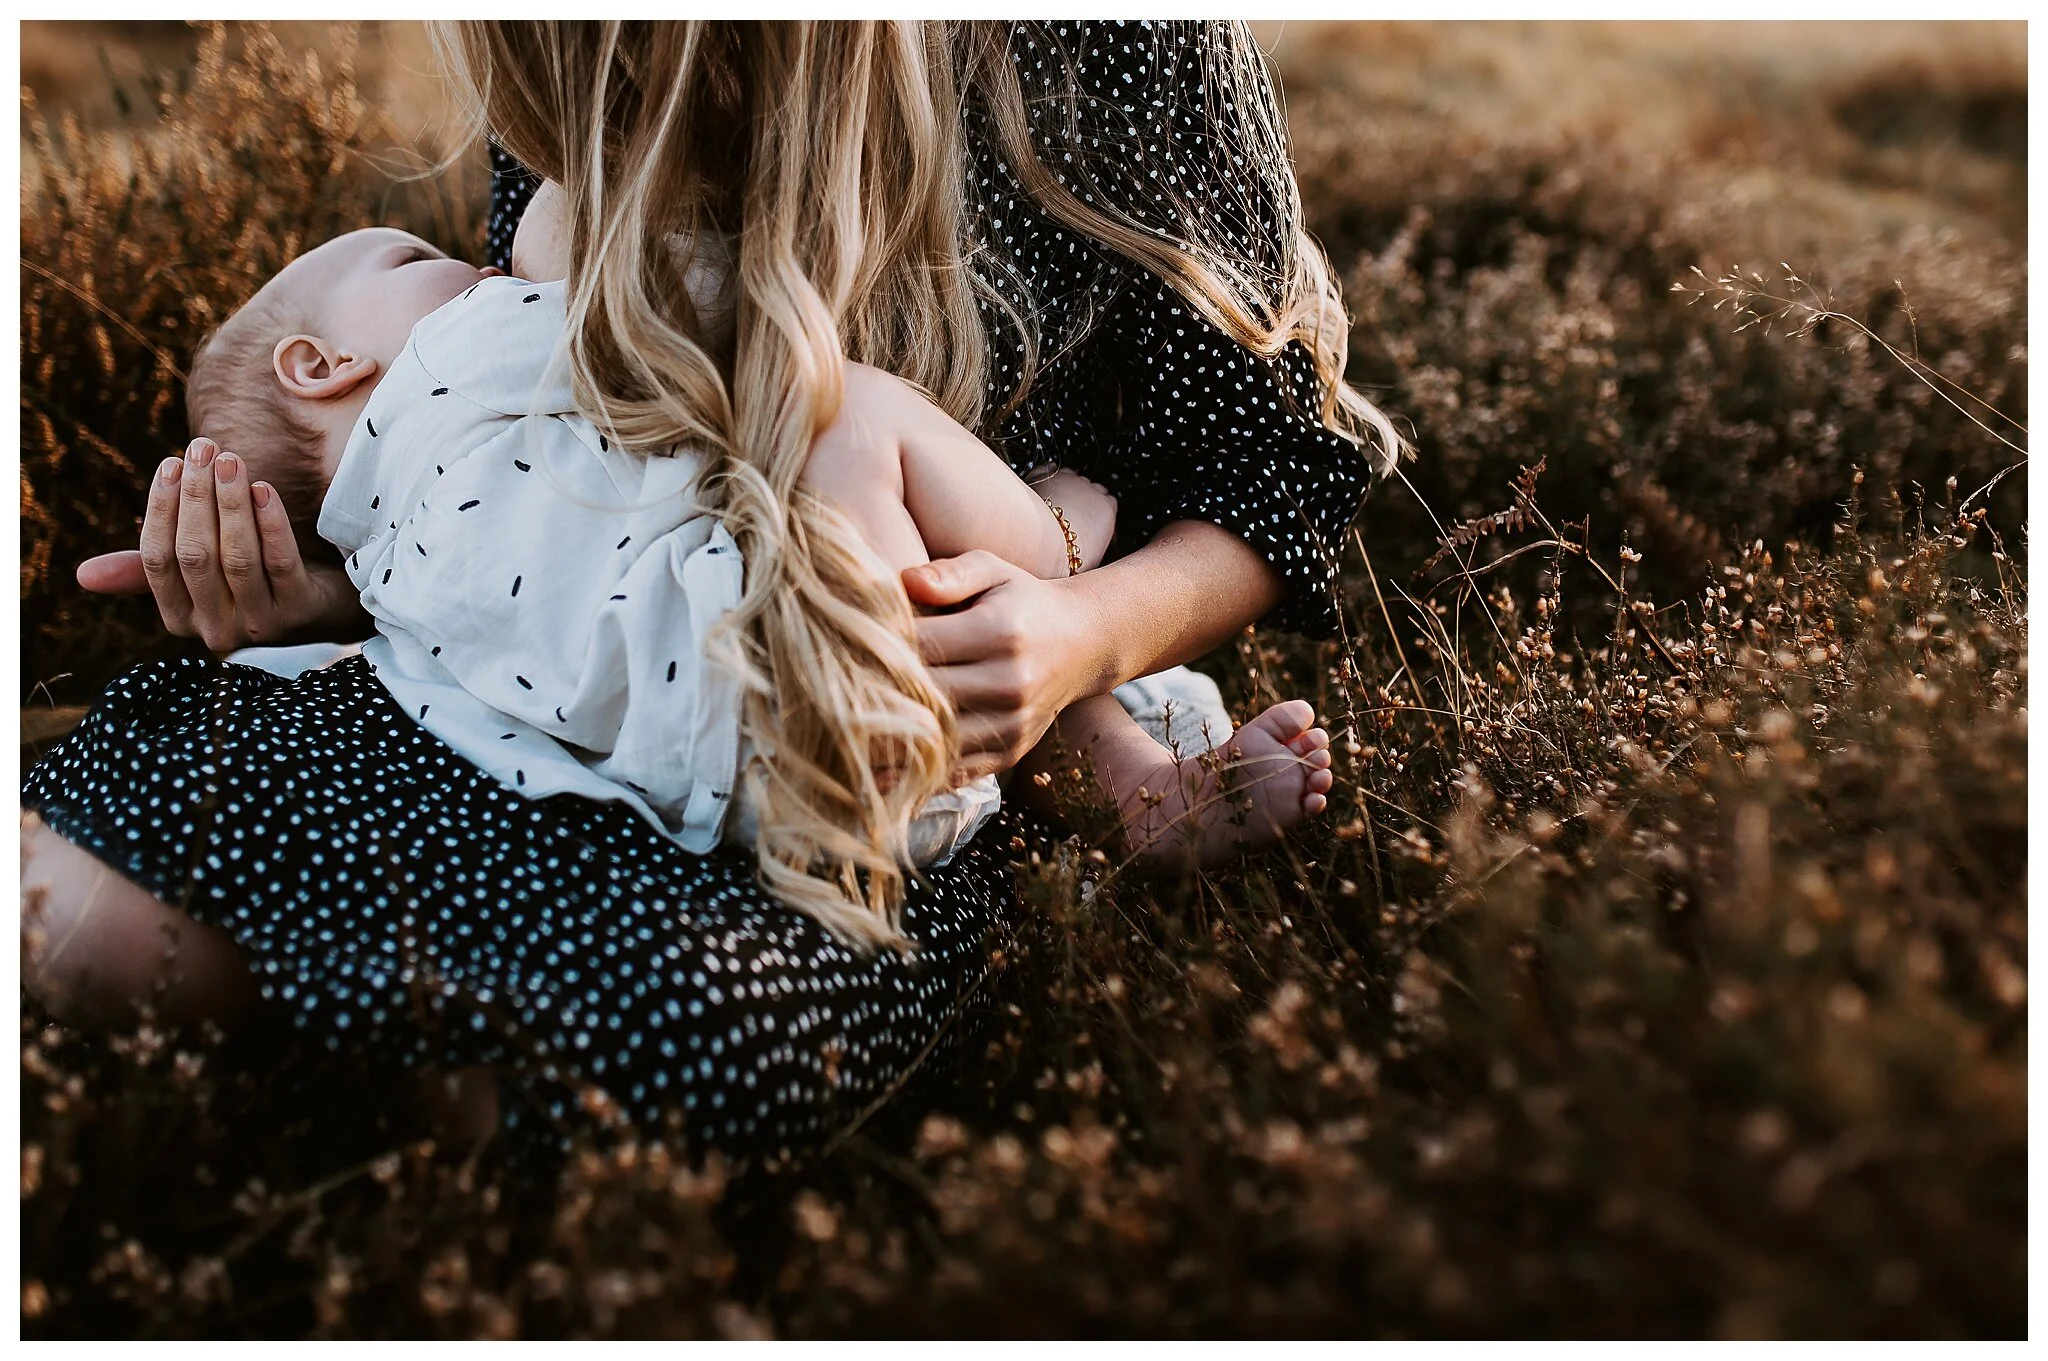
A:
{"points": [[542, 596]]}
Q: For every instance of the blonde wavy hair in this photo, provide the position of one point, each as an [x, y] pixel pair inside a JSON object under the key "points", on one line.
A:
{"points": [[835, 153]]}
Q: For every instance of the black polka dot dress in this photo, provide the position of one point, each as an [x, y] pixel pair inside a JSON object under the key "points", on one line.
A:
{"points": [[1140, 392], [398, 903], [395, 900]]}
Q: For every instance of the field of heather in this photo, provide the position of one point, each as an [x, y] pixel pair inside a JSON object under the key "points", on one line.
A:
{"points": [[1660, 967]]}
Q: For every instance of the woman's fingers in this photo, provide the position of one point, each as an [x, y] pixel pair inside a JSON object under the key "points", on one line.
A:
{"points": [[989, 744], [983, 751], [114, 573], [160, 548], [949, 581], [198, 545], [303, 597], [991, 628], [280, 544], [241, 544], [982, 735], [979, 688], [298, 595], [951, 639]]}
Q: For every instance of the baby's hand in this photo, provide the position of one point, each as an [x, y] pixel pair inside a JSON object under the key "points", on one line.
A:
{"points": [[1089, 508]]}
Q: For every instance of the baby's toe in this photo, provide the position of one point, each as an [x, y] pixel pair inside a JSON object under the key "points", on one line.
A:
{"points": [[1286, 721], [1315, 739], [1321, 781], [1317, 760], [1312, 804]]}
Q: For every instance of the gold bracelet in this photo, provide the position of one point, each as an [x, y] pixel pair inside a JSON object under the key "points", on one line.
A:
{"points": [[1073, 544]]}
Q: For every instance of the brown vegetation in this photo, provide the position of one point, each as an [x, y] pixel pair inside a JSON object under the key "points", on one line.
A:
{"points": [[1661, 967]]}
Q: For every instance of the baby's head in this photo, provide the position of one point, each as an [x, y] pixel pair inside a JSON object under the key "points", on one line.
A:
{"points": [[283, 380]]}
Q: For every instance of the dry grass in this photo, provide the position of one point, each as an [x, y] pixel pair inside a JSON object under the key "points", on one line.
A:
{"points": [[1661, 968], [141, 230]]}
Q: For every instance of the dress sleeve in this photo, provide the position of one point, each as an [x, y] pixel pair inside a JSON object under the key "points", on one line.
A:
{"points": [[512, 186], [1207, 430]]}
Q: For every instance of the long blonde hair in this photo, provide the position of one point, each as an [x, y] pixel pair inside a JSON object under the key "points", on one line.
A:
{"points": [[836, 153]]}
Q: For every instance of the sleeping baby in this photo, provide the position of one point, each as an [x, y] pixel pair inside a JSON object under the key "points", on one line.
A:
{"points": [[542, 596]]}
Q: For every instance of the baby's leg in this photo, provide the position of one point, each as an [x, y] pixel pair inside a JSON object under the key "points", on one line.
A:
{"points": [[917, 484], [1264, 779]]}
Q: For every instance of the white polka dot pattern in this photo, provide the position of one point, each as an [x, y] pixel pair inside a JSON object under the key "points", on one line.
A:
{"points": [[395, 900]]}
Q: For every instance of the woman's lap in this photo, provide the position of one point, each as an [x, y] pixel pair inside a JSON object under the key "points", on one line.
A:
{"points": [[397, 902]]}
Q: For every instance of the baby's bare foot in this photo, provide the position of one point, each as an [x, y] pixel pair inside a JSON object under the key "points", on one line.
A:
{"points": [[1270, 775]]}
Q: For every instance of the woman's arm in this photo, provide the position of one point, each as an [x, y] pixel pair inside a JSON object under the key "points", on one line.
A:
{"points": [[1197, 425], [1025, 649], [1232, 496]]}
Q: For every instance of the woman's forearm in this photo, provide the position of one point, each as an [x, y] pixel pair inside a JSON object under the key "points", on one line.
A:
{"points": [[1189, 589]]}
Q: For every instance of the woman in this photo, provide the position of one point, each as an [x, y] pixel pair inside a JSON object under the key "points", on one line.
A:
{"points": [[1125, 290]]}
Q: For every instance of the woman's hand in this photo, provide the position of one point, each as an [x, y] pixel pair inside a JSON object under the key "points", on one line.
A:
{"points": [[1022, 649], [1017, 655], [219, 555]]}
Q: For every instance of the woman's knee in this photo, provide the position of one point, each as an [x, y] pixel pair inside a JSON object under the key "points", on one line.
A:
{"points": [[97, 949]]}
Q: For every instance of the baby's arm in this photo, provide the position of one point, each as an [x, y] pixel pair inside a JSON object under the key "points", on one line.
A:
{"points": [[918, 485], [540, 247]]}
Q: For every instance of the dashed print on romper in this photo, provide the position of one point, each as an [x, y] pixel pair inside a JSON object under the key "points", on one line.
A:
{"points": [[670, 979]]}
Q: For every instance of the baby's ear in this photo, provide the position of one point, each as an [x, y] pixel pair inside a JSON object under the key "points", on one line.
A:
{"points": [[316, 370]]}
